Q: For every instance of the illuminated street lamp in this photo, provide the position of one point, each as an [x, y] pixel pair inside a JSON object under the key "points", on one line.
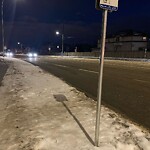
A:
{"points": [[20, 46], [57, 33], [62, 37]]}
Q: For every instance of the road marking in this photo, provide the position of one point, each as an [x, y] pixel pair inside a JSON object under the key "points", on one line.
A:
{"points": [[142, 81], [61, 66], [88, 71], [129, 66], [78, 69]]}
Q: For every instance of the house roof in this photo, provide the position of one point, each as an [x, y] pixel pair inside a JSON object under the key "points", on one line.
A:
{"points": [[127, 33]]}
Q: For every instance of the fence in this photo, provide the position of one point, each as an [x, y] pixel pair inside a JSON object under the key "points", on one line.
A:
{"points": [[111, 54]]}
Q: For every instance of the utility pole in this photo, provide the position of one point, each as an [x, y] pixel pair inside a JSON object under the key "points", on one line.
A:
{"points": [[62, 39], [3, 38]]}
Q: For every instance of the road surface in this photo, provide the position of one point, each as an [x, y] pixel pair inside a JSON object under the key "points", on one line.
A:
{"points": [[126, 85]]}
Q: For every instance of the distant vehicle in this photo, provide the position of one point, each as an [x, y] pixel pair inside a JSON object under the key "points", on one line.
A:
{"points": [[32, 54], [9, 53]]}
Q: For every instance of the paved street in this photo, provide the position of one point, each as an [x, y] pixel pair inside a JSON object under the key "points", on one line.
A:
{"points": [[3, 69], [125, 88]]}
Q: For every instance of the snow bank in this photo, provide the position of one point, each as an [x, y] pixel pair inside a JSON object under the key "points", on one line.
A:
{"points": [[42, 112]]}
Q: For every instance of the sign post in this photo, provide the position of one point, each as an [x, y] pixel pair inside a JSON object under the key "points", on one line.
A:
{"points": [[99, 95], [105, 6]]}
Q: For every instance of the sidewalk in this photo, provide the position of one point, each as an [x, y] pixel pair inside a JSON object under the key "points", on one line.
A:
{"points": [[41, 112]]}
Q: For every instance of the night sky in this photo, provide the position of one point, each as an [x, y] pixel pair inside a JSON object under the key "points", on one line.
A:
{"points": [[34, 22]]}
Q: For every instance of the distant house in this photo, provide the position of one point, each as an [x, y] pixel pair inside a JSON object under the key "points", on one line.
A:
{"points": [[126, 41]]}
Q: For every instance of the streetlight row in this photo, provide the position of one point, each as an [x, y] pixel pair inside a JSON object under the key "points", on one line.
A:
{"points": [[3, 38]]}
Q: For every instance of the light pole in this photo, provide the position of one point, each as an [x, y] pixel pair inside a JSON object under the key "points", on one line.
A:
{"points": [[62, 38], [3, 38], [145, 52], [20, 46]]}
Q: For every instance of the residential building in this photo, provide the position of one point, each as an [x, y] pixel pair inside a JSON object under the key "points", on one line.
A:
{"points": [[126, 41]]}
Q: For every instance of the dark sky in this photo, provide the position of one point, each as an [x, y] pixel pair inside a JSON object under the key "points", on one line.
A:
{"points": [[33, 22]]}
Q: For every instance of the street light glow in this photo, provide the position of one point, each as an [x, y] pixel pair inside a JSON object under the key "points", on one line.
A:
{"points": [[62, 37], [57, 33]]}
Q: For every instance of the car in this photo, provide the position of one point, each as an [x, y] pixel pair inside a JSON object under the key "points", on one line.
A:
{"points": [[32, 54], [9, 53]]}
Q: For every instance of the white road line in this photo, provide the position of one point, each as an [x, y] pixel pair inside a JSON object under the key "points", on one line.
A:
{"points": [[61, 66], [142, 81], [78, 69], [128, 66], [88, 71]]}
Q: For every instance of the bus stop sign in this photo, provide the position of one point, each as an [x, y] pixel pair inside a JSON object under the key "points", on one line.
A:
{"points": [[111, 5]]}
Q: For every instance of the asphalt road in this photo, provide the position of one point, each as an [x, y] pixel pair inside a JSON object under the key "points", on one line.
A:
{"points": [[126, 85], [3, 69]]}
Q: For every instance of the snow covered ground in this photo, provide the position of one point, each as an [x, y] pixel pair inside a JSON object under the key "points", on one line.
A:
{"points": [[41, 112]]}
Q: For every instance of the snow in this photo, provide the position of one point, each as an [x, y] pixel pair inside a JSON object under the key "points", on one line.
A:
{"points": [[41, 112]]}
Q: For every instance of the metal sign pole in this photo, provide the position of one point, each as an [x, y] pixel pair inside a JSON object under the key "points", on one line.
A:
{"points": [[99, 97]]}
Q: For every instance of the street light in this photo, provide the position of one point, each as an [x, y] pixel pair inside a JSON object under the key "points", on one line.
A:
{"points": [[20, 46], [62, 37], [3, 39], [57, 33]]}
